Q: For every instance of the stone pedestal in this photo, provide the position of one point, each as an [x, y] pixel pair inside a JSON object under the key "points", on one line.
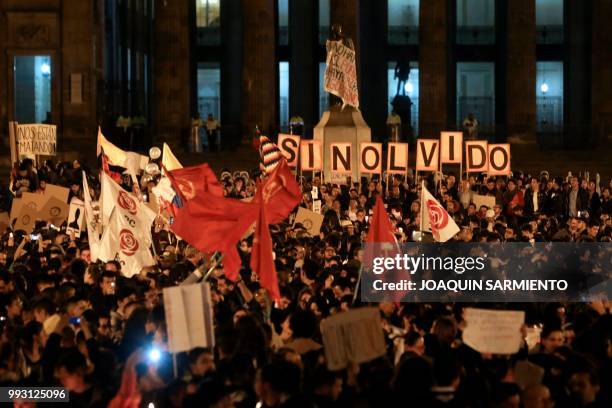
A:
{"points": [[342, 126]]}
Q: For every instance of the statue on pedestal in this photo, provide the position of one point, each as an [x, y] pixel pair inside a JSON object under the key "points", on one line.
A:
{"points": [[401, 102]]}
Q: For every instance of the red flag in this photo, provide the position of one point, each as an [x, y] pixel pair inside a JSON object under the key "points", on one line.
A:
{"points": [[128, 395], [106, 168], [262, 261], [190, 182], [380, 227], [280, 193], [212, 223]]}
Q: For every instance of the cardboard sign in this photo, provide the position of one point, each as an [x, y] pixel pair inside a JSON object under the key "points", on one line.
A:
{"points": [[480, 200], [476, 156], [189, 317], [499, 159], [370, 158], [493, 331], [527, 374], [397, 158], [310, 220], [354, 336], [428, 153], [311, 155], [340, 156], [451, 147], [34, 201], [289, 146], [341, 73], [26, 219], [36, 139], [55, 211], [15, 208], [75, 217]]}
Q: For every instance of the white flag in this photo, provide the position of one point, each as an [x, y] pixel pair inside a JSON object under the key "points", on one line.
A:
{"points": [[92, 221], [127, 232], [134, 162], [436, 218], [126, 241], [169, 160]]}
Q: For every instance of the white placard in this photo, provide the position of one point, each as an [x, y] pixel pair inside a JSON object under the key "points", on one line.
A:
{"points": [[493, 331]]}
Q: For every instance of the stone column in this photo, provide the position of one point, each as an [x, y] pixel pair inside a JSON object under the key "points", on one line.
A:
{"points": [[171, 73], [80, 41], [521, 71], [601, 72], [433, 58], [259, 67], [231, 77], [304, 68]]}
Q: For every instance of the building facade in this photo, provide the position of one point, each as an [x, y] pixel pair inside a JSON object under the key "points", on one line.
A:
{"points": [[528, 70]]}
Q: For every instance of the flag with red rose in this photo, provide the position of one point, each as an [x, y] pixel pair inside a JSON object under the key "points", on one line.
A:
{"points": [[436, 218], [126, 237]]}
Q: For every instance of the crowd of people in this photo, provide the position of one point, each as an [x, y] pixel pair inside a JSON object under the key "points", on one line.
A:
{"points": [[67, 321]]}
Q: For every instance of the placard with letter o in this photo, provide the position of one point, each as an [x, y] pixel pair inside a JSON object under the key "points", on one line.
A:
{"points": [[499, 159]]}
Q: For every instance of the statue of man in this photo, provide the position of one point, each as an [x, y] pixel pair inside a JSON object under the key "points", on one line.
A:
{"points": [[402, 73]]}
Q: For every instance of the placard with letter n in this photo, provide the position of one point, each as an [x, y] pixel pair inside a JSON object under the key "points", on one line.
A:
{"points": [[340, 156]]}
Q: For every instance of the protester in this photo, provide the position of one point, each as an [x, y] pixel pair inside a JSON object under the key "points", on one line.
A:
{"points": [[87, 326]]}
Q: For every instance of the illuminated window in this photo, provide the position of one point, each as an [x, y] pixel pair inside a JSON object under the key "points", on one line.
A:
{"points": [[549, 21], [209, 89], [549, 95], [283, 82], [476, 92], [323, 21], [475, 21], [283, 22], [208, 22], [403, 21]]}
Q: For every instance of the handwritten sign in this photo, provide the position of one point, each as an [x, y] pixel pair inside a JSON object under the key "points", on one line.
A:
{"points": [[354, 336], [493, 331], [341, 73], [37, 139]]}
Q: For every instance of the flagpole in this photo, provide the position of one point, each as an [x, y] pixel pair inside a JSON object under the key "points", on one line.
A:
{"points": [[421, 208]]}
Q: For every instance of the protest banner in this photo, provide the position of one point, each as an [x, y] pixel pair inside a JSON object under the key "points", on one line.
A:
{"points": [[36, 139], [189, 317], [61, 193], [451, 147], [370, 158], [311, 220], [352, 337], [480, 200], [311, 155], [75, 217], [289, 146], [397, 158], [493, 331], [341, 73], [499, 159], [427, 154], [476, 157]]}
